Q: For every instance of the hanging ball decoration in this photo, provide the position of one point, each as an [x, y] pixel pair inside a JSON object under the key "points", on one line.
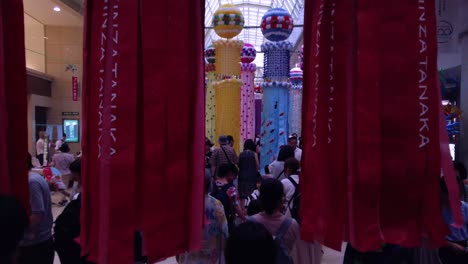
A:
{"points": [[277, 24], [248, 53], [228, 21], [295, 75], [210, 54]]}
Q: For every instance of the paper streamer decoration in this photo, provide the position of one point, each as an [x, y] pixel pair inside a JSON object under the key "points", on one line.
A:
{"points": [[210, 107], [228, 97], [228, 54], [248, 53], [274, 120], [350, 93], [301, 57], [277, 24], [276, 60], [132, 119], [247, 101], [210, 54], [258, 113], [228, 21], [295, 102]]}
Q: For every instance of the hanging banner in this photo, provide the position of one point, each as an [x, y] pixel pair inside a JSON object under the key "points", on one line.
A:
{"points": [[324, 121], [13, 103], [389, 136], [109, 211], [75, 88]]}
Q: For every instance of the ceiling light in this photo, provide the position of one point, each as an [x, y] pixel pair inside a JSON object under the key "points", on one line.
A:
{"points": [[57, 9]]}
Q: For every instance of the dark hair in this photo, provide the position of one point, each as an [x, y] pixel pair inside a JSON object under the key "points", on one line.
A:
{"points": [[267, 169], [230, 139], [225, 169], [255, 207], [12, 226], [292, 164], [29, 161], [291, 138], [445, 192], [461, 169], [285, 153], [208, 183], [64, 135], [249, 144], [250, 243], [75, 166], [64, 148], [271, 195]]}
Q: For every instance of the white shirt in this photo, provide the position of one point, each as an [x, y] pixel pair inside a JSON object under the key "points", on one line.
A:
{"points": [[298, 154], [58, 144], [289, 189], [40, 144], [277, 168]]}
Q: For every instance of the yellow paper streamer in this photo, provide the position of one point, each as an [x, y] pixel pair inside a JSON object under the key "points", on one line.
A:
{"points": [[228, 57], [210, 108], [227, 94]]}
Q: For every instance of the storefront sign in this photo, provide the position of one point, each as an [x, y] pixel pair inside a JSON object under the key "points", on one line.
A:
{"points": [[75, 88], [70, 113]]}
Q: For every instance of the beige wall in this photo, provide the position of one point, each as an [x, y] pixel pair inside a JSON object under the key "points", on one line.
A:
{"points": [[34, 43], [64, 45]]}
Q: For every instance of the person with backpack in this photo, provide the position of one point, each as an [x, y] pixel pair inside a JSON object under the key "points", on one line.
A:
{"points": [[250, 243], [67, 228], [303, 253], [284, 229], [224, 154], [225, 191], [276, 168], [291, 188]]}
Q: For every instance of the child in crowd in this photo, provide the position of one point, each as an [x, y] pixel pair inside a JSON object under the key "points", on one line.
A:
{"points": [[54, 179], [225, 191], [252, 203]]}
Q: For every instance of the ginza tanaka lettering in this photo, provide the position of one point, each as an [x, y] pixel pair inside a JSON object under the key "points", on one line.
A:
{"points": [[331, 99], [422, 74], [109, 44], [317, 75]]}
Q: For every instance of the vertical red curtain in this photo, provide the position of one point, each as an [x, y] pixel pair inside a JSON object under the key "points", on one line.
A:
{"points": [[143, 131], [372, 131], [13, 102]]}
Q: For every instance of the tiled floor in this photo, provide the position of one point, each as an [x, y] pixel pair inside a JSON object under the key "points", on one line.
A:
{"points": [[329, 257]]}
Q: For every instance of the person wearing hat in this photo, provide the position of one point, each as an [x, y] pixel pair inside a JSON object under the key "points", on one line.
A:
{"points": [[224, 154]]}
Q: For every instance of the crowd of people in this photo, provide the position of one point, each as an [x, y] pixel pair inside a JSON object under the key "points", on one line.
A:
{"points": [[252, 215], [256, 204]]}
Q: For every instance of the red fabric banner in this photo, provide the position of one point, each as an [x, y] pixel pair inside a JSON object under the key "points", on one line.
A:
{"points": [[172, 125], [109, 130], [143, 139], [386, 58], [364, 185], [13, 102], [325, 119]]}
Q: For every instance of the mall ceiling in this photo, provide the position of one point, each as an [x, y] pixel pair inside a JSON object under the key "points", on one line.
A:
{"points": [[43, 11]]}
